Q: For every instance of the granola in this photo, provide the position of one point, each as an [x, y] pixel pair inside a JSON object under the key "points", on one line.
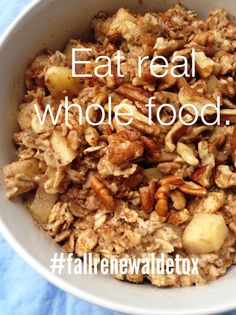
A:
{"points": [[126, 191]]}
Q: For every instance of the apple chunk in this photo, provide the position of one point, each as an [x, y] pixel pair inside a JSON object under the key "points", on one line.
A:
{"points": [[205, 233], [60, 146], [42, 205], [59, 81]]}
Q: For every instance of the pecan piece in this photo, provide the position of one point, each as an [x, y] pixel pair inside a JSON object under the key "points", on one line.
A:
{"points": [[139, 121], [172, 180], [194, 132], [103, 194], [224, 177], [133, 93], [205, 155], [204, 38], [198, 172], [187, 95], [152, 129], [187, 153], [204, 64], [119, 152], [161, 196], [181, 82], [203, 175], [147, 196], [164, 47], [168, 80], [178, 199], [211, 203], [226, 116], [152, 147], [145, 199], [180, 217], [169, 167], [190, 188], [175, 133]]}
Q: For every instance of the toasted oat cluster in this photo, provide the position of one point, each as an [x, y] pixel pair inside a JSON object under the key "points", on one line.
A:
{"points": [[127, 191]]}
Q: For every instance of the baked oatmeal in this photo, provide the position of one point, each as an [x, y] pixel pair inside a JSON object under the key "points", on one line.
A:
{"points": [[127, 191]]}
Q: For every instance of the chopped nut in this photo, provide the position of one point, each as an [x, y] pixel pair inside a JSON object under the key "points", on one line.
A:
{"points": [[139, 121], [180, 217], [228, 115], [216, 140], [187, 153], [100, 217], [190, 188], [161, 196], [106, 168], [145, 199], [189, 96], [129, 215], [166, 81], [204, 38], [103, 193], [207, 157], [193, 133], [172, 180], [91, 136], [133, 93], [152, 147], [147, 196], [224, 177], [169, 167], [163, 47], [124, 23], [203, 176], [204, 64], [227, 87], [211, 203], [178, 199], [175, 133], [119, 152]]}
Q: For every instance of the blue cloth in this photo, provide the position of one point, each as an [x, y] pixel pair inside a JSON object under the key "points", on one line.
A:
{"points": [[22, 290]]}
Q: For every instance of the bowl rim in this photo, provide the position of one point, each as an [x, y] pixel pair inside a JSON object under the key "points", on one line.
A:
{"points": [[56, 279]]}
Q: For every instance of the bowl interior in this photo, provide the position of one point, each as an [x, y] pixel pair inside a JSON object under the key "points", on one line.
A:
{"points": [[51, 24]]}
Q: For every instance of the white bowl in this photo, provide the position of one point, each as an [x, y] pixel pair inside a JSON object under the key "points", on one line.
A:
{"points": [[51, 23]]}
